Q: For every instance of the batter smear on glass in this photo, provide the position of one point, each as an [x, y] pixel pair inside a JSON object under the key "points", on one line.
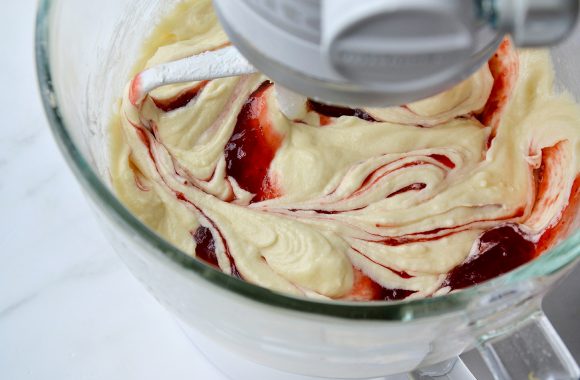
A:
{"points": [[355, 204]]}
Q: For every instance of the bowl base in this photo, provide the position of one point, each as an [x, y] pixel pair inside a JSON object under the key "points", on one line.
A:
{"points": [[235, 367]]}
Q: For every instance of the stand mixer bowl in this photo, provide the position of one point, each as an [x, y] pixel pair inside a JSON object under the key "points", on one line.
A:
{"points": [[85, 54]]}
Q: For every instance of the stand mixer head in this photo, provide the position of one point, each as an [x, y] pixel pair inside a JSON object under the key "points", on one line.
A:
{"points": [[383, 53], [368, 53]]}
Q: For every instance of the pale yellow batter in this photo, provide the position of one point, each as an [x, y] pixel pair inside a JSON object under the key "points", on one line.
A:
{"points": [[169, 169]]}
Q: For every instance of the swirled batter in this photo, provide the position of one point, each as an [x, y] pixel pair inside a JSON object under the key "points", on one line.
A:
{"points": [[359, 204]]}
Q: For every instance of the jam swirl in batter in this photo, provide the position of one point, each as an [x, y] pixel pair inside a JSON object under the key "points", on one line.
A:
{"points": [[350, 203]]}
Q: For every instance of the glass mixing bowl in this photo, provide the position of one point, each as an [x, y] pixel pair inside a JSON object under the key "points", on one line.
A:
{"points": [[85, 51]]}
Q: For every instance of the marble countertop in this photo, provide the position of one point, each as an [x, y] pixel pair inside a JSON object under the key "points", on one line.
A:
{"points": [[68, 307]]}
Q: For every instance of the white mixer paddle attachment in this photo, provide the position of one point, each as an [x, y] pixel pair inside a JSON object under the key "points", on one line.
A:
{"points": [[222, 63], [293, 105]]}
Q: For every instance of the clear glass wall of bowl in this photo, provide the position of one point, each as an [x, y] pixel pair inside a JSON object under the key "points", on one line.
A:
{"points": [[85, 52]]}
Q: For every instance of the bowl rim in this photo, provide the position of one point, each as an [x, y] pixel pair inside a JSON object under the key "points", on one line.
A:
{"points": [[549, 263]]}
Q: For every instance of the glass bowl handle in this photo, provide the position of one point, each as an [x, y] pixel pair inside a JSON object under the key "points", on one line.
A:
{"points": [[529, 349]]}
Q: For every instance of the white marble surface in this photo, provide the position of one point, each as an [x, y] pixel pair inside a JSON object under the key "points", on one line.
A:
{"points": [[68, 307]]}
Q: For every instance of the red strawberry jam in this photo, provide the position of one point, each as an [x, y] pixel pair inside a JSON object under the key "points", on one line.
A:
{"points": [[253, 146]]}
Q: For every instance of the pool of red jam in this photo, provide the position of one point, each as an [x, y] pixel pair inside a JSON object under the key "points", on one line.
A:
{"points": [[504, 68], [365, 289], [205, 246], [500, 250], [252, 147]]}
